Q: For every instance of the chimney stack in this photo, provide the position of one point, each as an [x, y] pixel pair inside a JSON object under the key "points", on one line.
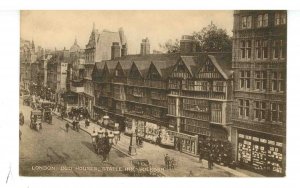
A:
{"points": [[145, 47], [124, 50], [115, 50], [188, 44]]}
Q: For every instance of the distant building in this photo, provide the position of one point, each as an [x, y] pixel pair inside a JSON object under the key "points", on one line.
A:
{"points": [[99, 45], [104, 45], [145, 47]]}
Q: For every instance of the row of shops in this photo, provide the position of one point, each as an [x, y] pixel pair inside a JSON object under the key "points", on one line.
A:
{"points": [[257, 152]]}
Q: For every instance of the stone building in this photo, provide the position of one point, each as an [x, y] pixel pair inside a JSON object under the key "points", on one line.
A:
{"points": [[259, 116], [104, 45]]}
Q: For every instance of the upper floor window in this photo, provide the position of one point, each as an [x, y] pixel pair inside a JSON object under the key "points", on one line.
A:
{"points": [[244, 79], [261, 49], [277, 81], [259, 21], [260, 110], [280, 18], [246, 22], [265, 20], [218, 86], [277, 18], [260, 80], [244, 108], [246, 49], [201, 86], [279, 49], [276, 112]]}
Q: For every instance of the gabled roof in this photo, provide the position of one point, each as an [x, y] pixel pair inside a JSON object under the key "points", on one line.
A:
{"points": [[223, 63], [190, 62], [143, 67], [98, 67], [111, 65], [164, 67], [126, 66]]}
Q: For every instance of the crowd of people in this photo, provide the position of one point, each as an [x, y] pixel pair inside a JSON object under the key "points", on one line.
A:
{"points": [[215, 151]]}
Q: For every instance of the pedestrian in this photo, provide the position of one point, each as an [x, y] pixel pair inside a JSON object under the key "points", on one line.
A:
{"points": [[74, 124], [21, 119], [67, 127], [210, 161], [167, 161], [200, 158], [87, 123], [77, 126], [107, 147], [20, 134]]}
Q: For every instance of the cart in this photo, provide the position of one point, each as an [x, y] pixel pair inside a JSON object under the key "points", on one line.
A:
{"points": [[36, 120], [47, 116], [26, 100], [142, 168]]}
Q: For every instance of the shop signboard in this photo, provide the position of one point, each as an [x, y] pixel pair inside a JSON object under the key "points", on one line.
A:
{"points": [[261, 154]]}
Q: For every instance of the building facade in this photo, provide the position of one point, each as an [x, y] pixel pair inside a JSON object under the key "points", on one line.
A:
{"points": [[259, 116], [104, 45], [179, 98]]}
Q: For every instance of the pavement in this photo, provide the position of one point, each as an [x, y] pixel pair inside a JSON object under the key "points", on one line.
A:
{"points": [[187, 165]]}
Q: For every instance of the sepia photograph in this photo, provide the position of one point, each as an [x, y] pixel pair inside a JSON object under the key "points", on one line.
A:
{"points": [[156, 93]]}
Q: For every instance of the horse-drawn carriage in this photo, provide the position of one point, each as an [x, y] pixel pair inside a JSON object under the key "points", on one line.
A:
{"points": [[36, 120], [27, 100], [45, 108], [101, 142]]}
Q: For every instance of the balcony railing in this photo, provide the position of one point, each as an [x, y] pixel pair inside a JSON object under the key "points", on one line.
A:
{"points": [[143, 100], [147, 83]]}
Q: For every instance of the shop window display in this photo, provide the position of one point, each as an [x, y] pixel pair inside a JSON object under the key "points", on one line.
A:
{"points": [[262, 155]]}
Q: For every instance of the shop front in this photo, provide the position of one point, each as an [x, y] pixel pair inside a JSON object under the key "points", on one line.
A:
{"points": [[147, 130], [260, 152], [185, 143], [167, 137]]}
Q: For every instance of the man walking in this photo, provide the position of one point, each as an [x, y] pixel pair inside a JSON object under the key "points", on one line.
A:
{"points": [[210, 161], [107, 148], [67, 127]]}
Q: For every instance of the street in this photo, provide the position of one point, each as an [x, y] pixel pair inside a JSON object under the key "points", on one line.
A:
{"points": [[54, 152]]}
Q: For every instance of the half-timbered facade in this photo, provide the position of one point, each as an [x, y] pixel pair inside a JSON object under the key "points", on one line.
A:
{"points": [[199, 100]]}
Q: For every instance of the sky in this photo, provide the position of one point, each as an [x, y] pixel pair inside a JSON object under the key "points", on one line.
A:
{"points": [[58, 29]]}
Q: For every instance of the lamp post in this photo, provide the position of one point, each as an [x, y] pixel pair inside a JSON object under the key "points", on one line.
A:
{"points": [[132, 146]]}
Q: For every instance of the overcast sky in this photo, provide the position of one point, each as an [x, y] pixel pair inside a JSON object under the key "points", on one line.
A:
{"points": [[51, 29]]}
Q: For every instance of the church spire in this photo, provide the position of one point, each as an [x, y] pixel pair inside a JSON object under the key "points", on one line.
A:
{"points": [[75, 42]]}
